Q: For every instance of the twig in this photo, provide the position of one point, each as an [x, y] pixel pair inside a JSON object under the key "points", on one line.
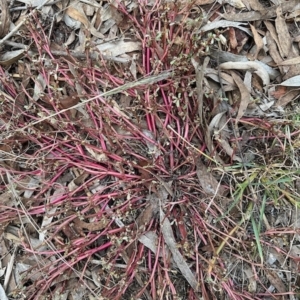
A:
{"points": [[147, 80]]}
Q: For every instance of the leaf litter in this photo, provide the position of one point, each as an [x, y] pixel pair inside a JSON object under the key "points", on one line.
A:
{"points": [[138, 141]]}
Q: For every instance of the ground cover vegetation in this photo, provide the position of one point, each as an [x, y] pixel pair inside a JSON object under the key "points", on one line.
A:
{"points": [[149, 149]]}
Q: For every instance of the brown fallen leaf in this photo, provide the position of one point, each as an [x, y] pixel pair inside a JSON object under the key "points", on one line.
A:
{"points": [[10, 57], [291, 61], [232, 39], [273, 50], [258, 40], [204, 2], [210, 146], [250, 65], [182, 265], [78, 15], [199, 82], [245, 96], [254, 4], [208, 182], [236, 3], [275, 280], [92, 226], [228, 149], [279, 92], [119, 47], [265, 14], [273, 35], [68, 101], [224, 24], [4, 18], [284, 37], [252, 286], [287, 98], [293, 70]]}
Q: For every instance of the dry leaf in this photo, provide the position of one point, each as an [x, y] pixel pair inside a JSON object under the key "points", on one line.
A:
{"points": [[292, 82], [225, 145], [207, 181], [258, 40], [265, 14], [232, 39], [88, 9], [33, 3], [245, 96], [31, 187], [119, 47], [278, 92], [291, 61], [199, 83], [98, 154], [152, 144], [68, 101], [78, 15], [9, 269], [203, 2], [275, 280], [251, 277], [182, 265], [287, 98], [273, 50], [48, 217], [214, 123], [2, 293], [271, 37], [4, 18], [149, 239], [10, 57], [90, 226], [236, 3], [254, 4], [250, 65], [227, 81], [224, 23], [223, 56], [39, 87], [284, 37]]}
